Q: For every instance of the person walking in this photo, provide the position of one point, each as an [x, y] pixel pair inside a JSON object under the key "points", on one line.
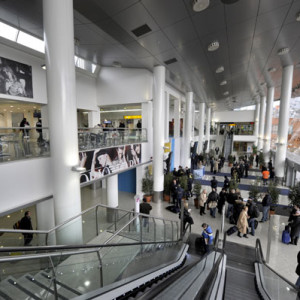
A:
{"points": [[265, 176], [25, 224], [266, 203], [242, 223], [145, 208], [202, 201]]}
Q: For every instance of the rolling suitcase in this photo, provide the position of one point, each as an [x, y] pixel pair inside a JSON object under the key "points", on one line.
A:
{"points": [[232, 230]]}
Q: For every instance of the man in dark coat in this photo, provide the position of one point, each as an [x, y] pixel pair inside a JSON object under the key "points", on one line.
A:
{"points": [[145, 209], [266, 203], [222, 200], [226, 183], [212, 202], [214, 183], [25, 224]]}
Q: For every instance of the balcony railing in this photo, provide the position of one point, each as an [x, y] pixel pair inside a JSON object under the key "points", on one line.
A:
{"points": [[92, 138]]}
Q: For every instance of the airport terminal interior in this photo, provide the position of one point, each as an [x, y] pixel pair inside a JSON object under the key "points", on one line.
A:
{"points": [[150, 149]]}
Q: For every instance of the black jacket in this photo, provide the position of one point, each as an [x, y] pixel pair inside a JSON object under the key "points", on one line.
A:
{"points": [[267, 201], [145, 208], [214, 183], [231, 198]]}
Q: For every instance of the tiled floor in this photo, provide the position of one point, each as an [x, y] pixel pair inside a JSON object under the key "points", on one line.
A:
{"points": [[283, 258]]}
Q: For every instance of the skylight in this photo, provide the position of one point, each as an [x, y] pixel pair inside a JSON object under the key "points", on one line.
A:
{"points": [[251, 107], [30, 41], [8, 32], [27, 40]]}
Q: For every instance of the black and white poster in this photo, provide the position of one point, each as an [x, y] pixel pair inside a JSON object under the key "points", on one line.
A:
{"points": [[102, 162], [15, 78]]}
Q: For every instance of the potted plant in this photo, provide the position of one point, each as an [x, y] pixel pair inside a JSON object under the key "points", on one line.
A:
{"points": [[255, 189], [196, 192], [168, 178], [274, 192], [147, 185], [251, 160], [230, 160], [261, 159], [254, 149], [294, 195], [183, 181], [233, 185]]}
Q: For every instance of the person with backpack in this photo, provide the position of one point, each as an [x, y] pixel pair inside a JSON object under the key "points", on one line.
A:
{"points": [[266, 203], [253, 213], [212, 202]]}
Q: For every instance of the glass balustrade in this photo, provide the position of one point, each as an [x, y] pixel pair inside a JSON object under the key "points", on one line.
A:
{"points": [[22, 143], [93, 138]]}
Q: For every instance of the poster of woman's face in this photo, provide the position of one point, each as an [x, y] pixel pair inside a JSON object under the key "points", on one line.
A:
{"points": [[102, 162], [15, 78]]}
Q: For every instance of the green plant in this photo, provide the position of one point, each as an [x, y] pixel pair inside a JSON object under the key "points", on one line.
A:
{"points": [[255, 189], [183, 181], [274, 192], [168, 178], [147, 183], [254, 149], [294, 195], [233, 184], [230, 159], [251, 159], [261, 158], [197, 189]]}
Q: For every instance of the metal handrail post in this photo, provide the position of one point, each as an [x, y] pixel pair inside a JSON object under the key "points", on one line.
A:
{"points": [[181, 219], [165, 231], [141, 229], [154, 229], [223, 219], [97, 227], [172, 228], [101, 268], [54, 280], [115, 219]]}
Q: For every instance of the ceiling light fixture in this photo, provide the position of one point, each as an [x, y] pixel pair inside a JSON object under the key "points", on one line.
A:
{"points": [[220, 69], [224, 82], [283, 51], [200, 5], [117, 64], [43, 67], [272, 70], [213, 46], [298, 17], [226, 93]]}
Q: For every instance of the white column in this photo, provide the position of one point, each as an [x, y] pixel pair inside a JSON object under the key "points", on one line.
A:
{"points": [[112, 191], [261, 122], [147, 122], [268, 123], [256, 125], [201, 126], [167, 116], [158, 132], [188, 129], [176, 118], [193, 122], [208, 118], [61, 90], [94, 118], [283, 125]]}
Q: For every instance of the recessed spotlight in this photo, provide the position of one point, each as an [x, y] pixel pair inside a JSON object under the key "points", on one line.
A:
{"points": [[283, 51], [220, 69], [272, 70], [213, 46], [11, 106], [43, 67], [226, 93], [224, 82], [298, 17], [117, 64], [200, 5]]}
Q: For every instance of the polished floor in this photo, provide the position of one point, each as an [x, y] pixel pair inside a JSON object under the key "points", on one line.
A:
{"points": [[282, 257]]}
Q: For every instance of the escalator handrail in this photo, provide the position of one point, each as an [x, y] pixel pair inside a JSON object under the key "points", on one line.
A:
{"points": [[261, 260], [210, 279]]}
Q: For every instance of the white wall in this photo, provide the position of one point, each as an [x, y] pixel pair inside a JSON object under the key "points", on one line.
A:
{"points": [[24, 181], [234, 116], [120, 85]]}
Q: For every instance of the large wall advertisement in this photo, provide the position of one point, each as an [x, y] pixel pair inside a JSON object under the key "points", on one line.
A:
{"points": [[102, 162]]}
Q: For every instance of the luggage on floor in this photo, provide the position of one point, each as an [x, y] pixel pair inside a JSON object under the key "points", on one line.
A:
{"points": [[200, 244], [232, 230], [173, 208], [255, 224], [286, 236]]}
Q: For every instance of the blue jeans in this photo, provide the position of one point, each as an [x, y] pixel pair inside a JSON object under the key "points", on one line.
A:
{"points": [[251, 224], [265, 213], [213, 212], [229, 210]]}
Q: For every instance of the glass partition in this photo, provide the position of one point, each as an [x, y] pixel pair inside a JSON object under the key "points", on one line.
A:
{"points": [[20, 143], [93, 138]]}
